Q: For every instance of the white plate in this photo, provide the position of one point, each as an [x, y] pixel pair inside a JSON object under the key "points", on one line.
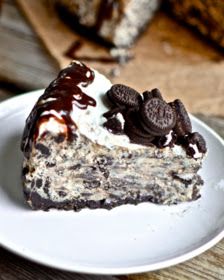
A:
{"points": [[127, 239]]}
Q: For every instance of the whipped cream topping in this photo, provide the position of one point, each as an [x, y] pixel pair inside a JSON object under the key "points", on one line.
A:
{"points": [[87, 109]]}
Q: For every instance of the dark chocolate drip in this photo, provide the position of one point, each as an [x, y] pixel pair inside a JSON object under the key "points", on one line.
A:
{"points": [[76, 45], [102, 59], [105, 12], [60, 96]]}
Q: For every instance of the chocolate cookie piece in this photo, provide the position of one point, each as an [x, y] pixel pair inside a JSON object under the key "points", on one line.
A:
{"points": [[113, 111], [134, 138], [157, 117], [122, 95], [153, 93], [132, 125], [195, 139], [183, 123], [166, 140], [113, 125]]}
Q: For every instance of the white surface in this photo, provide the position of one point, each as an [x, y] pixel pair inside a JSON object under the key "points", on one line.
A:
{"points": [[127, 239]]}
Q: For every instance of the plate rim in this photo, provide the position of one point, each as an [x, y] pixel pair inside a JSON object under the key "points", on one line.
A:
{"points": [[123, 270], [110, 270]]}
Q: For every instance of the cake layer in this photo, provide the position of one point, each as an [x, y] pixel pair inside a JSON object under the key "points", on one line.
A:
{"points": [[77, 174]]}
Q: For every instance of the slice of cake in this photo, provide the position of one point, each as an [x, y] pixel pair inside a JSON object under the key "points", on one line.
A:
{"points": [[118, 22], [88, 143]]}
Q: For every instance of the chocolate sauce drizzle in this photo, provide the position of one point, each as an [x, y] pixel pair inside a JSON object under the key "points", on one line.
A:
{"points": [[60, 96], [76, 46], [105, 12]]}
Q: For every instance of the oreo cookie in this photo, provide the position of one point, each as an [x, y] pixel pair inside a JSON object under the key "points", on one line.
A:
{"points": [[183, 124], [122, 95], [151, 94], [157, 117], [195, 139]]}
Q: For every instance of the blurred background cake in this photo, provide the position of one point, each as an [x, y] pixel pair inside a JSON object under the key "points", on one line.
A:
{"points": [[119, 22]]}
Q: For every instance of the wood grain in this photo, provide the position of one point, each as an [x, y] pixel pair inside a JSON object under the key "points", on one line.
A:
{"points": [[28, 72], [23, 59], [207, 266], [16, 268]]}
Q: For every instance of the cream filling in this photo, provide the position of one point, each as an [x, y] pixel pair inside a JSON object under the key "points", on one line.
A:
{"points": [[197, 154], [168, 138]]}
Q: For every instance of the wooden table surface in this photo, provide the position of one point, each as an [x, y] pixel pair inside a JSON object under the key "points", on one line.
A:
{"points": [[25, 65]]}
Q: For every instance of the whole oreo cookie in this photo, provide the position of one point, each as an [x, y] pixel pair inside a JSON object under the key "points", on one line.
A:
{"points": [[151, 94], [157, 117], [122, 95], [195, 139], [183, 123]]}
